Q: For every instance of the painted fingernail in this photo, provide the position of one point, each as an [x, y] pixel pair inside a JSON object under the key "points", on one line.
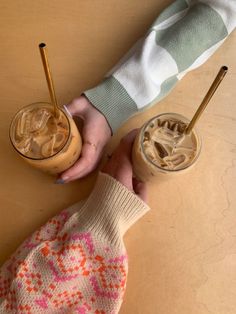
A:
{"points": [[60, 181]]}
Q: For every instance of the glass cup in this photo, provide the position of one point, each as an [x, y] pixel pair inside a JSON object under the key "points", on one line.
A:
{"points": [[162, 149], [49, 144]]}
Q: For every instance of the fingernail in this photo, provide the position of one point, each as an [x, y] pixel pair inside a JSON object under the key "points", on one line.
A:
{"points": [[60, 181]]}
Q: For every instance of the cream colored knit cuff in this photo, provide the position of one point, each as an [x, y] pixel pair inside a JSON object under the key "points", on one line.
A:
{"points": [[111, 209]]}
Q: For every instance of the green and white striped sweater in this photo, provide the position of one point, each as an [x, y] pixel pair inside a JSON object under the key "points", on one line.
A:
{"points": [[182, 38]]}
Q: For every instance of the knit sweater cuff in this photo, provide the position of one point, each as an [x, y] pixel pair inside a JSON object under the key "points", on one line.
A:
{"points": [[111, 209], [113, 101]]}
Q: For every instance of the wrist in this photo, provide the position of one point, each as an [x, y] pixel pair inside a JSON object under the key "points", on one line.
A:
{"points": [[90, 109], [111, 209]]}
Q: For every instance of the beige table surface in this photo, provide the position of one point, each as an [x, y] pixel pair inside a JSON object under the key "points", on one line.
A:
{"points": [[182, 255]]}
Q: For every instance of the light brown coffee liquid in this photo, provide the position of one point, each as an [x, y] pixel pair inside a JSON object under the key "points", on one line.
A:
{"points": [[47, 143], [166, 144], [162, 147], [38, 133]]}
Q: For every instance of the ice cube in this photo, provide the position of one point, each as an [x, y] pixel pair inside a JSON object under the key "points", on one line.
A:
{"points": [[23, 125], [47, 147], [59, 140], [39, 119], [176, 160], [161, 150], [164, 136], [24, 145]]}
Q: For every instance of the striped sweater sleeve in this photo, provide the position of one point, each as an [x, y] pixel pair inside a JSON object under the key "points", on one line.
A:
{"points": [[181, 39]]}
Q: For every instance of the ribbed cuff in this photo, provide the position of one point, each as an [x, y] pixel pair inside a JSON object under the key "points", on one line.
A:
{"points": [[113, 101], [111, 209]]}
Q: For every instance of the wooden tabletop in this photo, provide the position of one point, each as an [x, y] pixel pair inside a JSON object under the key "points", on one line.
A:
{"points": [[182, 254]]}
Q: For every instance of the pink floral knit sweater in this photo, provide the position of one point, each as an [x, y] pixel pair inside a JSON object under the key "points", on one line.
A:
{"points": [[76, 262]]}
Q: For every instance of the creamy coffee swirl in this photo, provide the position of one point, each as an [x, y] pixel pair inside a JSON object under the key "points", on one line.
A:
{"points": [[167, 146], [37, 133]]}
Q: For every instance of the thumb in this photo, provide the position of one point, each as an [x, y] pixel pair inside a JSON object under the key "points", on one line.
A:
{"points": [[140, 188], [77, 106]]}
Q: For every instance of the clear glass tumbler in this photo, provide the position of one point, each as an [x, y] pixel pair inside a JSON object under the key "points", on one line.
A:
{"points": [[147, 168], [54, 152]]}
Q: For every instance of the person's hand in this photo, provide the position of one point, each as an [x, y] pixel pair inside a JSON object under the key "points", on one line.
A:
{"points": [[120, 166], [96, 133]]}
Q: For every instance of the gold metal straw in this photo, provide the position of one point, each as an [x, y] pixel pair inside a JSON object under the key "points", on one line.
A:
{"points": [[207, 98], [43, 52]]}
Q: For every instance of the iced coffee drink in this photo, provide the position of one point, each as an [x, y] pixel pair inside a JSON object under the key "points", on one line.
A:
{"points": [[48, 142], [162, 147]]}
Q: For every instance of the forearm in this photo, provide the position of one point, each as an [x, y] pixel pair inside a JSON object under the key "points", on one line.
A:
{"points": [[77, 261], [182, 38]]}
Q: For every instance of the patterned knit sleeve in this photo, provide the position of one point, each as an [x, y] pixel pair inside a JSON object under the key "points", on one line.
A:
{"points": [[182, 38], [76, 262]]}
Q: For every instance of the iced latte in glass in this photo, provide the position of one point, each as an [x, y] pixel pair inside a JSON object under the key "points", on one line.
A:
{"points": [[48, 142], [162, 147]]}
